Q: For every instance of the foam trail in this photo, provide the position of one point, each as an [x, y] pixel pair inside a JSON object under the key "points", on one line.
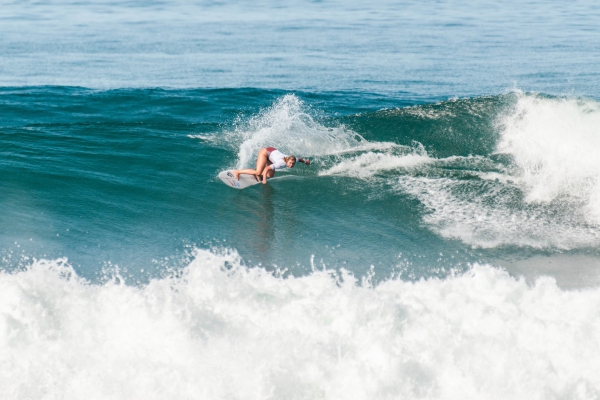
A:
{"points": [[221, 331], [370, 163]]}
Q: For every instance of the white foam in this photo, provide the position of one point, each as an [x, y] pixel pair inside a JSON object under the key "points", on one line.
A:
{"points": [[220, 331], [484, 214], [556, 146]]}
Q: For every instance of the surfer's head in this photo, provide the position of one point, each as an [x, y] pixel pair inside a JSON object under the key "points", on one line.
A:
{"points": [[290, 161]]}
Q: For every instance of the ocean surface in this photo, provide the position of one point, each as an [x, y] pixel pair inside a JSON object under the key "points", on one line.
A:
{"points": [[444, 242]]}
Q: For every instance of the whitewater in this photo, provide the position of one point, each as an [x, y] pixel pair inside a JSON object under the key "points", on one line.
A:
{"points": [[219, 330]]}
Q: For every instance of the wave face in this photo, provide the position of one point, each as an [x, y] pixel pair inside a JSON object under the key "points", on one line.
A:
{"points": [[126, 178], [219, 330]]}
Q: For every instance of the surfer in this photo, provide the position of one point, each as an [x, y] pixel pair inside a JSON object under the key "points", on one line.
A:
{"points": [[269, 159]]}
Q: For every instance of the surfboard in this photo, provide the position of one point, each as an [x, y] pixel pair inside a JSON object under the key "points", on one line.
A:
{"points": [[245, 180]]}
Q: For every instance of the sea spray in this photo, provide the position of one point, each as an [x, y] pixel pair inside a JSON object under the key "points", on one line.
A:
{"points": [[289, 126]]}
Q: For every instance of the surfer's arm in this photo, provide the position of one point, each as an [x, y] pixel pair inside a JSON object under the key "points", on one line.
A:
{"points": [[303, 160]]}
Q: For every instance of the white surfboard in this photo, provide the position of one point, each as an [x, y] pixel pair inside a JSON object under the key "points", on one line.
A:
{"points": [[245, 180]]}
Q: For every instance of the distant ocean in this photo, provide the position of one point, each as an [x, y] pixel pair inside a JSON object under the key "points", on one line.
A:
{"points": [[444, 243]]}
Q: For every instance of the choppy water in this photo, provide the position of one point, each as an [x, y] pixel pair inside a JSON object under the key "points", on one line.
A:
{"points": [[444, 242]]}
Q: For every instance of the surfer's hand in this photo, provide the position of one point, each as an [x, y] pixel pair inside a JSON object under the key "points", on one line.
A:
{"points": [[307, 162]]}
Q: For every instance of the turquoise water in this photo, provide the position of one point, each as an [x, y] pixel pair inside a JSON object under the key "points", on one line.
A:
{"points": [[443, 242], [127, 178]]}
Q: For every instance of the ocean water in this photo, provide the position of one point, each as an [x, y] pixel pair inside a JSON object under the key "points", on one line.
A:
{"points": [[444, 242]]}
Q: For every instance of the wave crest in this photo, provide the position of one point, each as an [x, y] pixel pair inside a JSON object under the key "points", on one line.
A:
{"points": [[555, 145]]}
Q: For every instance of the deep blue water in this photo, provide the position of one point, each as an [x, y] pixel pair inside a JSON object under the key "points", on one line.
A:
{"points": [[453, 200], [422, 50]]}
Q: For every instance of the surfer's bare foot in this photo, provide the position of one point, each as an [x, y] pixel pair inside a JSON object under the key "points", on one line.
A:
{"points": [[236, 175]]}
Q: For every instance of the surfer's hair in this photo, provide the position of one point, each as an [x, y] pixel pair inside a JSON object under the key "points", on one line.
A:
{"points": [[288, 158]]}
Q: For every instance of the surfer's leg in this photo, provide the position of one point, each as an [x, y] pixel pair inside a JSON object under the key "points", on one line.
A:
{"points": [[248, 171], [261, 162]]}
